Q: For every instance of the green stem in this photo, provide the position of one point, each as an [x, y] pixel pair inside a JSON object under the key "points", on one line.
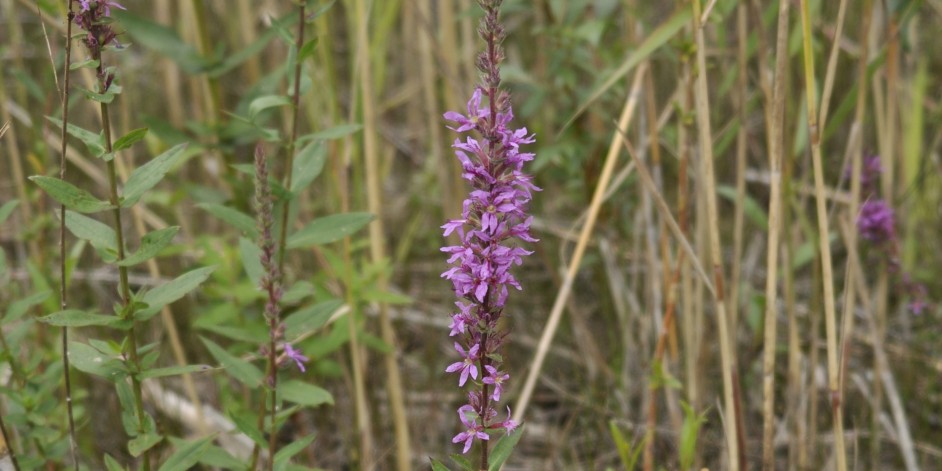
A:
{"points": [[289, 168], [124, 286]]}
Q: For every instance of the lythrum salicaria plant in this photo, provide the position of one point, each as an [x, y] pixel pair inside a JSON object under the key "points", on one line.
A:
{"points": [[876, 223], [494, 218]]}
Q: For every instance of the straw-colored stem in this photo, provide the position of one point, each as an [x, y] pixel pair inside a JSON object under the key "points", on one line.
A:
{"points": [[5, 441], [559, 304], [827, 277], [705, 139], [738, 211], [775, 210]]}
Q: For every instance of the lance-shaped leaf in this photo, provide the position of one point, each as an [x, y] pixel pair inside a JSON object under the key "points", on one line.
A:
{"points": [[304, 394], [151, 245], [240, 369], [234, 217], [7, 209], [95, 142], [310, 318], [172, 291], [87, 359], [100, 235], [128, 140], [329, 229], [146, 176], [161, 39], [335, 132], [187, 455], [78, 318], [142, 443], [283, 457], [71, 196], [308, 164], [173, 371], [251, 260], [503, 448], [265, 102]]}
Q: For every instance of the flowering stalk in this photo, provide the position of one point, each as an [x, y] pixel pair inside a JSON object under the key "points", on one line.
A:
{"points": [[876, 223], [493, 216], [270, 283], [94, 18]]}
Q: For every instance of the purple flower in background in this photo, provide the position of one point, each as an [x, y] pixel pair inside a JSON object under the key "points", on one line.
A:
{"points": [[89, 18], [876, 221], [493, 222], [296, 355]]}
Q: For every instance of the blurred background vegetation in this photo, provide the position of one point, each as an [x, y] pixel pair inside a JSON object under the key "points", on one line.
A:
{"points": [[193, 68]]}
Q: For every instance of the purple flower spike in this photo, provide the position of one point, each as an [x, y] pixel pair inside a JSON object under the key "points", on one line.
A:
{"points": [[492, 224], [466, 366], [296, 355]]}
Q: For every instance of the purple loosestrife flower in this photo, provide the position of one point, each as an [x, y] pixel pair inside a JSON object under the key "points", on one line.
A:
{"points": [[877, 221], [493, 222], [296, 355], [467, 365], [90, 18], [473, 428]]}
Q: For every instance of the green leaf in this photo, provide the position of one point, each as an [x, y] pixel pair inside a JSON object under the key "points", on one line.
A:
{"points": [[162, 40], [240, 369], [240, 334], [246, 425], [172, 291], [688, 435], [251, 260], [652, 42], [304, 394], [307, 50], [146, 176], [308, 164], [187, 455], [113, 90], [71, 196], [462, 461], [95, 142], [128, 140], [87, 64], [101, 236], [17, 308], [173, 371], [438, 465], [320, 11], [142, 443], [750, 207], [310, 318], [7, 209], [335, 132], [283, 456], [77, 318], [329, 229], [233, 60], [112, 464], [265, 102], [214, 456], [234, 217], [503, 448], [85, 358], [151, 244]]}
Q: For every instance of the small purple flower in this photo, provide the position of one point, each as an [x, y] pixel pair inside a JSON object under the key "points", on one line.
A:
{"points": [[509, 425], [474, 430], [876, 221], [299, 359], [466, 366], [475, 113], [495, 378]]}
